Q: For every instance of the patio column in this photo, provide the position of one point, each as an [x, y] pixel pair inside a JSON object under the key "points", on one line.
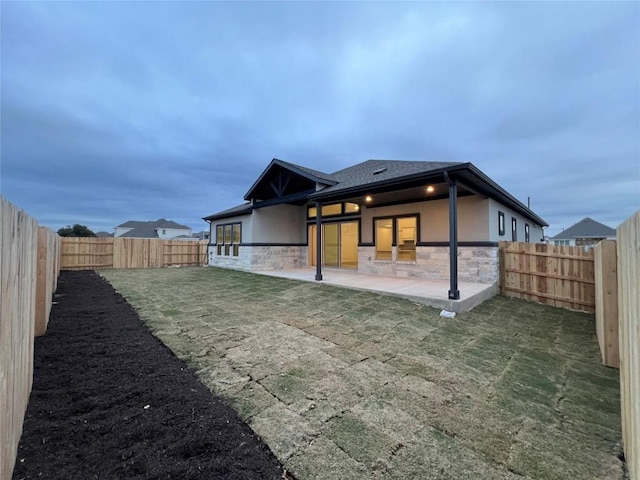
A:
{"points": [[454, 293], [318, 241]]}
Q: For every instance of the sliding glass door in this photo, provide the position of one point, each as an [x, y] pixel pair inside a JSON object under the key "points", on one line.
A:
{"points": [[339, 245]]}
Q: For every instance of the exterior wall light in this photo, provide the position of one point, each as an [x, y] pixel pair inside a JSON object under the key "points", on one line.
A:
{"points": [[430, 189], [368, 198]]}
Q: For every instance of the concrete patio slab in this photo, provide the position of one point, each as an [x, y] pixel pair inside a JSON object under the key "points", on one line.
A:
{"points": [[433, 293]]}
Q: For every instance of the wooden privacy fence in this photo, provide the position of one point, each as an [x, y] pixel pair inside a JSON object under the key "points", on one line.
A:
{"points": [[605, 269], [96, 253], [557, 275], [29, 266], [628, 250]]}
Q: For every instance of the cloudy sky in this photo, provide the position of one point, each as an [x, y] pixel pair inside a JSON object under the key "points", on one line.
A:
{"points": [[118, 111]]}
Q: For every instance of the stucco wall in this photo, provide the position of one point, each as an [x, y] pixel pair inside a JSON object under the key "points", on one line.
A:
{"points": [[473, 219], [535, 231], [279, 224], [169, 233]]}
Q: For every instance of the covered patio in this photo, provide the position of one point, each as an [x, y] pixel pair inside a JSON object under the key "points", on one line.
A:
{"points": [[425, 291]]}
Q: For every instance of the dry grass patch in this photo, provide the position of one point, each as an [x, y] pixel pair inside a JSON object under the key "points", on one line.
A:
{"points": [[350, 384]]}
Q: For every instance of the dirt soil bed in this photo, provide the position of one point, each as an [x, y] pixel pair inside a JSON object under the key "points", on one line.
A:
{"points": [[110, 401]]}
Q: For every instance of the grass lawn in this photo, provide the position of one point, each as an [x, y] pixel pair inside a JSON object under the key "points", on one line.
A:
{"points": [[349, 384]]}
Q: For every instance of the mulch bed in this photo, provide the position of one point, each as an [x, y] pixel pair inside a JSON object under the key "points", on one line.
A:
{"points": [[110, 401]]}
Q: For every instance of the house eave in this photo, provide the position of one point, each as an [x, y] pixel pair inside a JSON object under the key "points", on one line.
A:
{"points": [[465, 173], [223, 215]]}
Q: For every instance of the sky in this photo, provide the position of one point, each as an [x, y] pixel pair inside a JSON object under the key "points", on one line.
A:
{"points": [[116, 111]]}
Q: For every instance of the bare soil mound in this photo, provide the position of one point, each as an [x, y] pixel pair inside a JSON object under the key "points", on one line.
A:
{"points": [[110, 401]]}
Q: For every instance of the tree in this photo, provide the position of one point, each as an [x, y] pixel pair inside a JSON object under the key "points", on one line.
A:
{"points": [[76, 231]]}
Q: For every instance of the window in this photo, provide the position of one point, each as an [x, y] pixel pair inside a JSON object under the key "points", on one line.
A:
{"points": [[334, 209], [219, 238], [500, 223], [406, 228], [331, 209], [514, 230], [396, 231], [351, 208], [526, 232], [384, 238], [228, 239], [236, 238]]}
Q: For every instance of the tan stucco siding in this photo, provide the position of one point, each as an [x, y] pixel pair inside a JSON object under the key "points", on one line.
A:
{"points": [[535, 231], [473, 219], [279, 224]]}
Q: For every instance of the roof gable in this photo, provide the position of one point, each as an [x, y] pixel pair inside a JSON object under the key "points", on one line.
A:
{"points": [[283, 180], [586, 228]]}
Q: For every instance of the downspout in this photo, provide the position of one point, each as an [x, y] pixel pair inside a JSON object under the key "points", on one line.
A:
{"points": [[318, 241], [454, 293]]}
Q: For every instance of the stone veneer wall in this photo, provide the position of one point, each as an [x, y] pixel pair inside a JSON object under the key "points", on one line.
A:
{"points": [[475, 264], [257, 258]]}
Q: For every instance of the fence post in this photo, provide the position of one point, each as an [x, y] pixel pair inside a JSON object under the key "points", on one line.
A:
{"points": [[628, 238], [606, 296], [501, 267]]}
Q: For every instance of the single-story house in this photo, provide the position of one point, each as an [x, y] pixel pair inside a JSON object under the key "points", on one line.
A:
{"points": [[586, 232], [161, 228], [439, 220]]}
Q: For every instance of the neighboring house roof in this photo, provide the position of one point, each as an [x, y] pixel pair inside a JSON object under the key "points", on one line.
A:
{"points": [[160, 223], [103, 234], [586, 228], [149, 229], [369, 177]]}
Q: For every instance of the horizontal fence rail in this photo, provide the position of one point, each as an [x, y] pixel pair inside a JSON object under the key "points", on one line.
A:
{"points": [[557, 275], [97, 253]]}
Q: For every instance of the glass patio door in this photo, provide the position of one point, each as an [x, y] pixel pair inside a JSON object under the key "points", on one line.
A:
{"points": [[339, 245], [331, 245]]}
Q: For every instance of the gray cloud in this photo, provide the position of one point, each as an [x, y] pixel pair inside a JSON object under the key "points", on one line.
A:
{"points": [[117, 111]]}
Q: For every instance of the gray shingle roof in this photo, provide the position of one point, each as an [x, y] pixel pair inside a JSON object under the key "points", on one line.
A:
{"points": [[586, 228], [382, 174], [316, 173], [148, 229], [160, 223], [231, 212], [363, 174]]}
